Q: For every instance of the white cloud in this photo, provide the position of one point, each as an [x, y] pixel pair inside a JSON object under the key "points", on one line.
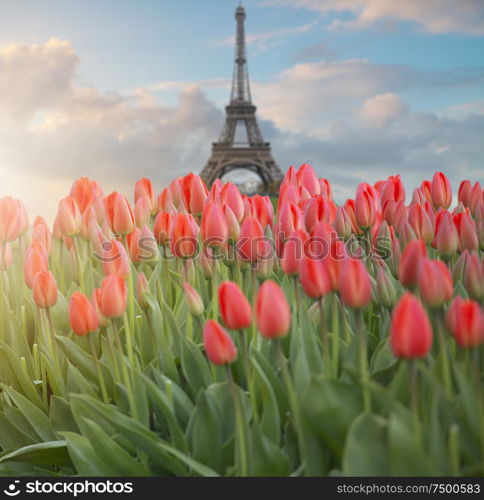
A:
{"points": [[382, 109], [434, 16]]}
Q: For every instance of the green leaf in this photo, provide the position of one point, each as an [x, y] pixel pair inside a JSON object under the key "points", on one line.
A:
{"points": [[366, 447], [84, 457], [50, 453], [330, 406], [60, 415], [37, 419], [267, 458], [112, 453], [10, 437], [206, 431]]}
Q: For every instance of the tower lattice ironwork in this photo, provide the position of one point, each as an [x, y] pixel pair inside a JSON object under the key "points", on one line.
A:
{"points": [[252, 152]]}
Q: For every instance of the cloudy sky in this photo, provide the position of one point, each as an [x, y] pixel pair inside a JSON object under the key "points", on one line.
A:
{"points": [[121, 89]]}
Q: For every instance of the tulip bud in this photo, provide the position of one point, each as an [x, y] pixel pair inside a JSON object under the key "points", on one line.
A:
{"points": [[440, 190], [194, 193], [342, 223], [41, 232], [113, 296], [465, 320], [142, 212], [293, 252], [45, 289], [410, 329], [234, 306], [119, 214], [464, 192], [354, 284], [410, 260], [315, 279], [474, 277], [69, 217], [206, 260], [213, 229], [193, 299], [365, 209], [82, 314], [115, 259], [385, 288], [421, 223], [144, 189], [10, 219], [142, 290], [231, 198], [35, 261], [219, 346], [184, 236], [96, 302], [434, 282], [466, 230], [266, 260], [272, 311], [446, 236], [162, 227], [251, 234]]}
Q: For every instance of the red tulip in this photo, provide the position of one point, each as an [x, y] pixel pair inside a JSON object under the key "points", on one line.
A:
{"points": [[194, 193], [426, 190], [115, 259], [410, 329], [144, 189], [434, 282], [354, 284], [184, 236], [165, 201], [441, 191], [290, 219], [263, 210], [466, 228], [474, 277], [69, 217], [293, 252], [114, 296], [464, 192], [142, 245], [421, 222], [41, 232], [306, 177], [251, 234], [465, 320], [119, 214], [409, 263], [162, 227], [85, 191], [365, 209], [392, 189], [82, 314], [35, 261], [213, 228], [96, 302], [272, 311], [142, 212], [314, 277], [234, 306], [45, 289], [219, 346], [446, 236], [231, 197]]}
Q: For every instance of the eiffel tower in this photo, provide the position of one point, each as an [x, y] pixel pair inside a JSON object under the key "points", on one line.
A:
{"points": [[252, 153]]}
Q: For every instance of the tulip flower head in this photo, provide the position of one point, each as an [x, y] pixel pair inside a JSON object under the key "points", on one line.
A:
{"points": [[234, 306], [273, 314], [219, 346], [82, 314]]}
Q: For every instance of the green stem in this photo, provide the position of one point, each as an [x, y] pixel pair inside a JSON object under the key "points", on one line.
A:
{"points": [[325, 338], [454, 455], [443, 354], [293, 403], [363, 360], [413, 380], [52, 343], [75, 244], [336, 340], [239, 425], [102, 383]]}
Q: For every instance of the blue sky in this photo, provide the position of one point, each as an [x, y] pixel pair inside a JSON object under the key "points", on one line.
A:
{"points": [[360, 88]]}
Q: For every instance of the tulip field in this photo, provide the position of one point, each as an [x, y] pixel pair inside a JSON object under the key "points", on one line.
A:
{"points": [[202, 332]]}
